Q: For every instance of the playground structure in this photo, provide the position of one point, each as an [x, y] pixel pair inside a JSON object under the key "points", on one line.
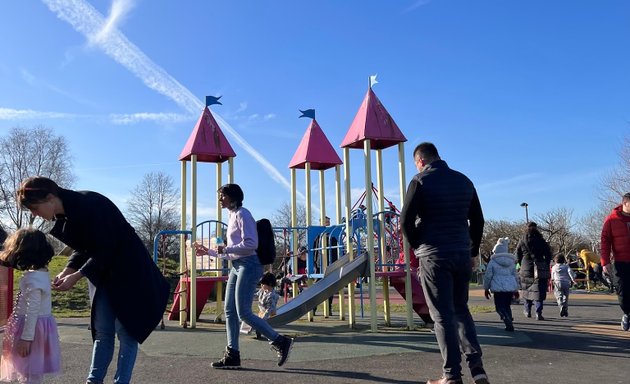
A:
{"points": [[374, 239]]}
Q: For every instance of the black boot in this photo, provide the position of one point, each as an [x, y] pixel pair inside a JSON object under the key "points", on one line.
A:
{"points": [[509, 326], [231, 360], [283, 346]]}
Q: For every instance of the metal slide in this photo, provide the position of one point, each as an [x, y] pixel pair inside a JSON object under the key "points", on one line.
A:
{"points": [[339, 274]]}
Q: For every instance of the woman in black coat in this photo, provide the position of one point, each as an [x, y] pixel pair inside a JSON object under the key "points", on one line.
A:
{"points": [[534, 255], [131, 293]]}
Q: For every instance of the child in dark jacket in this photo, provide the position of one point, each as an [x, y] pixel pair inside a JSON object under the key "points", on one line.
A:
{"points": [[502, 280]]}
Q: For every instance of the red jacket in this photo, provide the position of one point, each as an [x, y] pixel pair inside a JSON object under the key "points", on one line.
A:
{"points": [[616, 237]]}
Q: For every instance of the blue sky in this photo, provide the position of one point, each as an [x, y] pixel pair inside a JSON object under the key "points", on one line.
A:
{"points": [[529, 99]]}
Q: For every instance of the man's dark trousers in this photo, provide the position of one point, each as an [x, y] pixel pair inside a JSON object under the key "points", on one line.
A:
{"points": [[621, 278], [445, 280]]}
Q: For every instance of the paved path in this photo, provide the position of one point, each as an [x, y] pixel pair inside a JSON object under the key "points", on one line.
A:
{"points": [[588, 347]]}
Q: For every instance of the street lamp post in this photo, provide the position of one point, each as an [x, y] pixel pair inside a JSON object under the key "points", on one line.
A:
{"points": [[525, 205]]}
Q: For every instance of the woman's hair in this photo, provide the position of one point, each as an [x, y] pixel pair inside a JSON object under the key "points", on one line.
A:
{"points": [[27, 249], [268, 279], [35, 190], [560, 259], [234, 193]]}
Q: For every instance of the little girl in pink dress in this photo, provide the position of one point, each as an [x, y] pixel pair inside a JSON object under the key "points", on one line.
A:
{"points": [[31, 342]]}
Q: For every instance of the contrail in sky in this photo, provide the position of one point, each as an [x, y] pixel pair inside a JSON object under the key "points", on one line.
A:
{"points": [[102, 32]]}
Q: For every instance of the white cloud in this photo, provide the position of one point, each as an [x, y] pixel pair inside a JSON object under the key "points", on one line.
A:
{"points": [[511, 181], [117, 14], [417, 4], [29, 114], [33, 81], [241, 107], [27, 76], [133, 118], [87, 20]]}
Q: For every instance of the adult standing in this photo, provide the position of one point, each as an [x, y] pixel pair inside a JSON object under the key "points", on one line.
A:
{"points": [[131, 293], [534, 255], [443, 222], [246, 271], [615, 255]]}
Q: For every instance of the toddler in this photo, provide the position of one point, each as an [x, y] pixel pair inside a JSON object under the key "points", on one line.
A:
{"points": [[267, 300], [563, 278], [501, 279], [31, 343]]}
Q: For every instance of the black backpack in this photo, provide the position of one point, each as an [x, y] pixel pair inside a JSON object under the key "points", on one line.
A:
{"points": [[266, 250]]}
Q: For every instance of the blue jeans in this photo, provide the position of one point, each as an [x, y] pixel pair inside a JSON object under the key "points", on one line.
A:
{"points": [[445, 282], [239, 297], [106, 326]]}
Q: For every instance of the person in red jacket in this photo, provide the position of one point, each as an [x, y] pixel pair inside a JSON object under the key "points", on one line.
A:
{"points": [[615, 254]]}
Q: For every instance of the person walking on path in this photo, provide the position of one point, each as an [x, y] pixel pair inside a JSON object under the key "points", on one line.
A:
{"points": [[246, 271], [131, 292], [501, 279], [615, 254], [443, 222], [534, 255], [31, 343], [562, 278]]}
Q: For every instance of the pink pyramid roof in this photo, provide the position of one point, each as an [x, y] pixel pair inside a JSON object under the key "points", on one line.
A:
{"points": [[373, 122], [315, 149], [207, 141]]}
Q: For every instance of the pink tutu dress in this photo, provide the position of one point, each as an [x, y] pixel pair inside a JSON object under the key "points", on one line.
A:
{"points": [[31, 322]]}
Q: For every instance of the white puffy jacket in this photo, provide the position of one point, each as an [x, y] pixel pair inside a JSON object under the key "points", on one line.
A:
{"points": [[501, 273]]}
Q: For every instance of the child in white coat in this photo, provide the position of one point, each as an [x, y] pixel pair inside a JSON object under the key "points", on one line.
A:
{"points": [[502, 280]]}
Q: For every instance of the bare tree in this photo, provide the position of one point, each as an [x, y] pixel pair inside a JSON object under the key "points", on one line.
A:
{"points": [[494, 229], [153, 208], [560, 231], [617, 182], [591, 224], [26, 152], [282, 218]]}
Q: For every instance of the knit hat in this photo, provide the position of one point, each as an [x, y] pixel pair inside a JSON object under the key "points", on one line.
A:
{"points": [[502, 245]]}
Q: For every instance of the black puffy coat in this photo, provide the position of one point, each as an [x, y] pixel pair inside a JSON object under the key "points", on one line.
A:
{"points": [[532, 248]]}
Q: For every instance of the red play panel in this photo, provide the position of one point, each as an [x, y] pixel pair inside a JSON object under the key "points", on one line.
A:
{"points": [[205, 285]]}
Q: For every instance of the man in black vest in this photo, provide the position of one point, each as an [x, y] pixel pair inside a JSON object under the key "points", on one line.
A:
{"points": [[443, 222]]}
